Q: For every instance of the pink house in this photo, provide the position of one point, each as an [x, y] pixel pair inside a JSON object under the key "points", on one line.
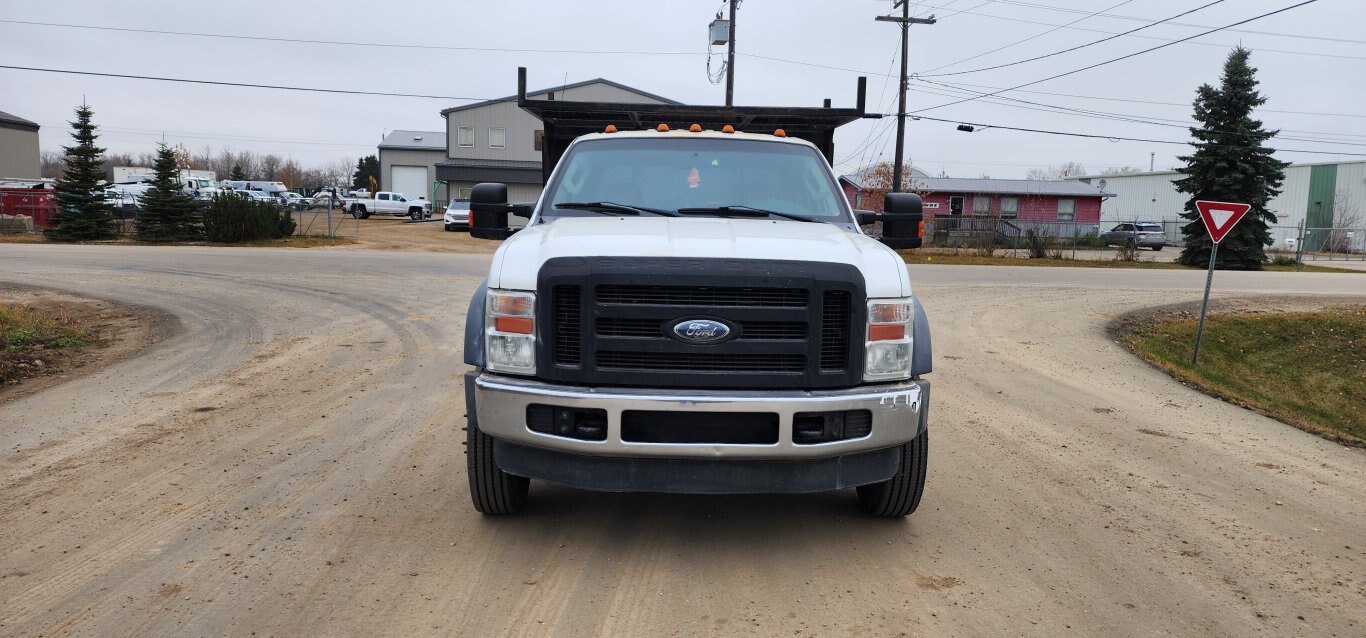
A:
{"points": [[1017, 200]]}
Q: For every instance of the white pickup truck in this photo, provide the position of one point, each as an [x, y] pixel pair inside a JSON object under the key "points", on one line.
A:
{"points": [[696, 311], [388, 203]]}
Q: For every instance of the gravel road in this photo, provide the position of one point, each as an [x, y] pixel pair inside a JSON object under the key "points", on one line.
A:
{"points": [[288, 462]]}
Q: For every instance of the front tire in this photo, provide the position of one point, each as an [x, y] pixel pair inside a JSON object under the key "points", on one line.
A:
{"points": [[1157, 249], [900, 495], [493, 491]]}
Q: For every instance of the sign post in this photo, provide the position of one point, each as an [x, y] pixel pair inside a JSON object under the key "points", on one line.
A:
{"points": [[1219, 218]]}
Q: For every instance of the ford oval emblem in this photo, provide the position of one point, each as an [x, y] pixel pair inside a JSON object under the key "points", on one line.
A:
{"points": [[701, 331]]}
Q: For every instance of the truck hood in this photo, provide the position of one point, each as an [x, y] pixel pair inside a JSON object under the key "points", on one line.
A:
{"points": [[519, 259]]}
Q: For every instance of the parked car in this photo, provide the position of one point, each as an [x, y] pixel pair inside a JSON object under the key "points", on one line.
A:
{"points": [[388, 203], [1136, 234], [457, 215], [258, 196], [297, 201]]}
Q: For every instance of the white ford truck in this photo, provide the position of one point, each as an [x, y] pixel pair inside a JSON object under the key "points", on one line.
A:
{"points": [[695, 311]]}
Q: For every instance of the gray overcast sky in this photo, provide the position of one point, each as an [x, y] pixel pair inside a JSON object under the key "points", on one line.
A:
{"points": [[1310, 59]]}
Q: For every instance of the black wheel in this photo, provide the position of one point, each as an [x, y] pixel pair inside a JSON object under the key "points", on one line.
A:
{"points": [[415, 214], [492, 490], [1157, 248], [900, 495], [450, 228], [361, 213]]}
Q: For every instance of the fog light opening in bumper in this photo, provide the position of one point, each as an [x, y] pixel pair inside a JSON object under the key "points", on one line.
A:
{"points": [[824, 427], [574, 423]]}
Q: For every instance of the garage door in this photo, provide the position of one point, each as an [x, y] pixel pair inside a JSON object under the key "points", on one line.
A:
{"points": [[411, 181]]}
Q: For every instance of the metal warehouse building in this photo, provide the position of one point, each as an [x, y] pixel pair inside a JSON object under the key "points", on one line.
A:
{"points": [[18, 148], [1320, 195]]}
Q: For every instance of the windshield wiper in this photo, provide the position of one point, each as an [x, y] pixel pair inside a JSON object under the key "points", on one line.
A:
{"points": [[613, 207], [742, 211]]}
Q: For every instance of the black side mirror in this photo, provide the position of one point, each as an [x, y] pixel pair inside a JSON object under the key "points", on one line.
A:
{"points": [[903, 220], [866, 217], [488, 211]]}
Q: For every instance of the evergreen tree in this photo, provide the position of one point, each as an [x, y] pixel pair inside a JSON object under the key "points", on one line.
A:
{"points": [[167, 214], [83, 213], [1230, 164], [237, 174], [366, 167]]}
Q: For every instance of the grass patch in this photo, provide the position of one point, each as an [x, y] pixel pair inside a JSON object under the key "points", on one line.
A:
{"points": [[981, 260], [966, 259], [25, 333], [299, 241], [1307, 369], [22, 238]]}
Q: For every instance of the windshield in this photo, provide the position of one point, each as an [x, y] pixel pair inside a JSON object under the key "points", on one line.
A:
{"points": [[1150, 228], [673, 173]]}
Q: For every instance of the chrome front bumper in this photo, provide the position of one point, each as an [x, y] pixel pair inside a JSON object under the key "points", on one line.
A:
{"points": [[898, 410]]}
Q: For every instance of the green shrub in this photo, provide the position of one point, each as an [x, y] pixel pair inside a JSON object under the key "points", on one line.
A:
{"points": [[1283, 260], [232, 218]]}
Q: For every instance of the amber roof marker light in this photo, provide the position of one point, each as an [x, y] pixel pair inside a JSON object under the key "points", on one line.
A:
{"points": [[728, 129], [780, 133], [611, 128], [662, 128], [695, 128]]}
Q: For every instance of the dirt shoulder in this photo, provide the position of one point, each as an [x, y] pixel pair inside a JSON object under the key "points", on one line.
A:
{"points": [[112, 332], [381, 233]]}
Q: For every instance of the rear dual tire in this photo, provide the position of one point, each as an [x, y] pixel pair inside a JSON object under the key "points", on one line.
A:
{"points": [[900, 495]]}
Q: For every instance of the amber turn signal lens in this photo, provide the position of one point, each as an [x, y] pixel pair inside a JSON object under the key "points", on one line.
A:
{"points": [[886, 333], [728, 129], [920, 230], [662, 128], [611, 128], [518, 325]]}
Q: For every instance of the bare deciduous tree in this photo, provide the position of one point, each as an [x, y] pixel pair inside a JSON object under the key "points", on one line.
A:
{"points": [[270, 167], [1068, 169], [877, 182], [1121, 170], [1349, 231], [291, 174], [52, 163]]}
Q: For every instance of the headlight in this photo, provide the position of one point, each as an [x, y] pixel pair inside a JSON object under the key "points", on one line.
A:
{"points": [[510, 331], [888, 343]]}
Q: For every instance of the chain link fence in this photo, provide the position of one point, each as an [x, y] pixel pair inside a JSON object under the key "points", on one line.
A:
{"points": [[325, 221], [991, 236]]}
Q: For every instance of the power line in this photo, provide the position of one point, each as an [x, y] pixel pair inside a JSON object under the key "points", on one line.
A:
{"points": [[1122, 57], [1159, 38], [1032, 37], [1070, 49], [1117, 138], [1153, 102], [387, 45], [238, 84], [1155, 121], [1318, 38]]}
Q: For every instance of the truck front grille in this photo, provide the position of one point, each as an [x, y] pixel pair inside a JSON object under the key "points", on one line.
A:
{"points": [[609, 327]]}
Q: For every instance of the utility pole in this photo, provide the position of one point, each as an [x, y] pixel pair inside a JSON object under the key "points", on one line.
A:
{"points": [[730, 56], [905, 21]]}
